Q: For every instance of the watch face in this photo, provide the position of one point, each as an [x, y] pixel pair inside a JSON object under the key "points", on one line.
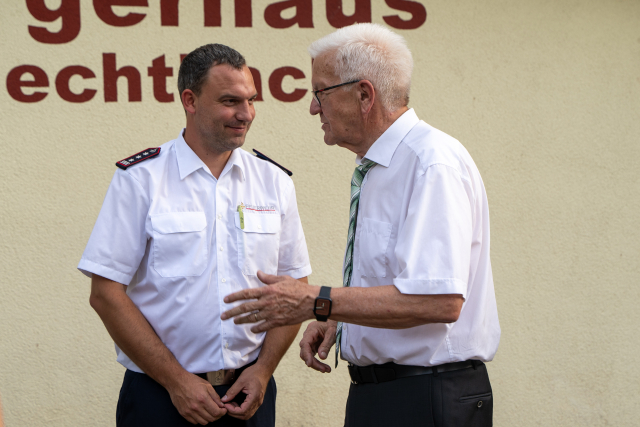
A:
{"points": [[323, 307]]}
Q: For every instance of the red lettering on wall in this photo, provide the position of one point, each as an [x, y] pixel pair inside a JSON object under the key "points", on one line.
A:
{"points": [[15, 83], [275, 84], [417, 10], [69, 12], [62, 84], [159, 72], [213, 16], [337, 19], [105, 12], [169, 13], [303, 17], [111, 75], [257, 81]]}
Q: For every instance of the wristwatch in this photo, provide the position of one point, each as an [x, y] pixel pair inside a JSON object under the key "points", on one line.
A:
{"points": [[322, 306]]}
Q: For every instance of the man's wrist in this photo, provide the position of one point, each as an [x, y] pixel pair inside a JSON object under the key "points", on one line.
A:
{"points": [[322, 304]]}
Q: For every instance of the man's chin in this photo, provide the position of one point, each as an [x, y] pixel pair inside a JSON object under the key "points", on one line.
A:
{"points": [[328, 140]]}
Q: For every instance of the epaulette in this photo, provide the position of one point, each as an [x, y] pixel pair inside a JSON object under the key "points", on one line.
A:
{"points": [[138, 157], [263, 157]]}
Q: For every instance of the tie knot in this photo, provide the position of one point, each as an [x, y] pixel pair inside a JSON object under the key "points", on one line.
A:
{"points": [[366, 164]]}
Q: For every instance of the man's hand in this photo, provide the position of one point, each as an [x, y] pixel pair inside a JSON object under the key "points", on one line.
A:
{"points": [[285, 301], [253, 382], [318, 339], [196, 400]]}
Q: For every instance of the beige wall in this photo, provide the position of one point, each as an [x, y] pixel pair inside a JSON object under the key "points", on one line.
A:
{"points": [[544, 94]]}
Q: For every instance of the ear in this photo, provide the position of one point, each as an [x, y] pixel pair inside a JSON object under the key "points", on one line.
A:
{"points": [[189, 101], [366, 96]]}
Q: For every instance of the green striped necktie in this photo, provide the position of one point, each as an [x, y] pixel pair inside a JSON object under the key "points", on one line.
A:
{"points": [[356, 182]]}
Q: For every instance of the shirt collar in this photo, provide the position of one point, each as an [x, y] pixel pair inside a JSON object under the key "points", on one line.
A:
{"points": [[189, 162], [235, 160], [385, 146]]}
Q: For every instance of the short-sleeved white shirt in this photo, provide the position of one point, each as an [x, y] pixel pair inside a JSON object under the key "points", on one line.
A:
{"points": [[423, 226], [171, 232]]}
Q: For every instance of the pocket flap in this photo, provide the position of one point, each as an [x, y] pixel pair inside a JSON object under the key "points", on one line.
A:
{"points": [[179, 222], [259, 223]]}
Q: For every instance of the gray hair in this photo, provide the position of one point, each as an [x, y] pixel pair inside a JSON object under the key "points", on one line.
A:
{"points": [[370, 52], [196, 65]]}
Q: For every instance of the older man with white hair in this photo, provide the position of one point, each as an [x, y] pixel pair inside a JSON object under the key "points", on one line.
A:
{"points": [[416, 317]]}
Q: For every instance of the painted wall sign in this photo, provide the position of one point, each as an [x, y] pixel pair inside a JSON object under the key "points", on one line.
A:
{"points": [[68, 18]]}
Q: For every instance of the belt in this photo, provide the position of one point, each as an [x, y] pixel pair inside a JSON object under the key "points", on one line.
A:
{"points": [[392, 371], [224, 376]]}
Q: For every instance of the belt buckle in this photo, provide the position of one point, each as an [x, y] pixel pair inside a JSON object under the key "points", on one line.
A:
{"points": [[221, 377]]}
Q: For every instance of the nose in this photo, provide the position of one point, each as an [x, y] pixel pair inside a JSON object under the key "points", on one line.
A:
{"points": [[314, 108], [245, 112]]}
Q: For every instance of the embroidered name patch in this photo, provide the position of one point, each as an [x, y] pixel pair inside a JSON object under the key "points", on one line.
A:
{"points": [[138, 157], [261, 209]]}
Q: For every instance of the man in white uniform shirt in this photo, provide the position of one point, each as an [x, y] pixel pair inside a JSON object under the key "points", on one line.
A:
{"points": [[416, 318], [182, 226]]}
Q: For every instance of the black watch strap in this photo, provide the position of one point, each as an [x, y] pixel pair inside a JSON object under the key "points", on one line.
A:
{"points": [[322, 306]]}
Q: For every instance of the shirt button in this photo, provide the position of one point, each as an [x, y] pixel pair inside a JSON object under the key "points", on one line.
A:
{"points": [[219, 216], [259, 227], [224, 280], [226, 345], [221, 249]]}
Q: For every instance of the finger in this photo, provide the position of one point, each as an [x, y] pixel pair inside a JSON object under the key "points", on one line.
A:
{"points": [[232, 408], [215, 397], [211, 408], [247, 307], [269, 279], [319, 366], [244, 294], [246, 319], [244, 411], [265, 326], [328, 342], [233, 391], [195, 418], [306, 352]]}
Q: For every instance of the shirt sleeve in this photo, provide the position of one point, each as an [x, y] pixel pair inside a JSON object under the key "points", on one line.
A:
{"points": [[293, 257], [434, 243], [118, 240]]}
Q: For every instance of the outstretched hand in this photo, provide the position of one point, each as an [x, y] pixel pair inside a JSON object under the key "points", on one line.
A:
{"points": [[318, 339], [286, 301]]}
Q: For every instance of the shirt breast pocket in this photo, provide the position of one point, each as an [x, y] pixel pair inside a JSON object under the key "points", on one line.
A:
{"points": [[179, 243], [258, 243], [373, 242]]}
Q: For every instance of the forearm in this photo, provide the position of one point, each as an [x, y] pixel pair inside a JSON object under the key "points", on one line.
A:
{"points": [[275, 345], [386, 307], [133, 334]]}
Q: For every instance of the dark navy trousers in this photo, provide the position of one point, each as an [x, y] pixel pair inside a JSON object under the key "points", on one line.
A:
{"points": [[461, 398], [145, 403]]}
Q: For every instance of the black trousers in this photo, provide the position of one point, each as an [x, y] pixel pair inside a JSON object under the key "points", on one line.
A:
{"points": [[145, 403], [460, 398]]}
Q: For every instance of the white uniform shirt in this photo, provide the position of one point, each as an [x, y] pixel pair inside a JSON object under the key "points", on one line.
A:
{"points": [[423, 226], [171, 232]]}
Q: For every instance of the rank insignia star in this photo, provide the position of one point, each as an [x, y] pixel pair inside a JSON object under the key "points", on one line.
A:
{"points": [[138, 157]]}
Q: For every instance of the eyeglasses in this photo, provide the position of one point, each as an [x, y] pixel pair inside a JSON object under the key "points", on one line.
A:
{"points": [[316, 92]]}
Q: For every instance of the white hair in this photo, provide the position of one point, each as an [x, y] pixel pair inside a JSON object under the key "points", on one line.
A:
{"points": [[370, 52]]}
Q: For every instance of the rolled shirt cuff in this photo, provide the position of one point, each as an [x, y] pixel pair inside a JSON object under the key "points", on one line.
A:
{"points": [[297, 273], [89, 268], [431, 287]]}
